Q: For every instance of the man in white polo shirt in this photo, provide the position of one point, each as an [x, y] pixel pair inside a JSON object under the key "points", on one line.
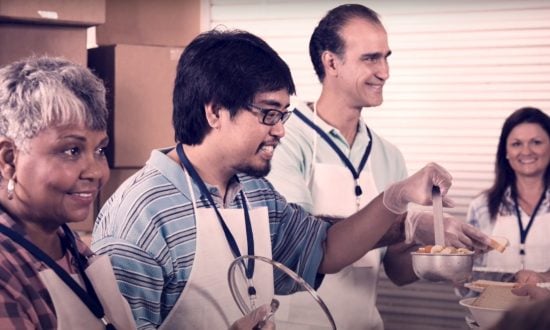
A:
{"points": [[332, 164]]}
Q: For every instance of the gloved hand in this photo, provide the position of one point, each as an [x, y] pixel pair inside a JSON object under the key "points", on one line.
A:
{"points": [[530, 277], [418, 189], [251, 320], [533, 291], [419, 228]]}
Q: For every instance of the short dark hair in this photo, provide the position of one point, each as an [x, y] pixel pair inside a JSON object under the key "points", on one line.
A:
{"points": [[504, 174], [326, 35], [227, 69]]}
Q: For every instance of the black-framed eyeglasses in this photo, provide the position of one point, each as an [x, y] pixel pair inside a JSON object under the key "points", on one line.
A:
{"points": [[271, 116]]}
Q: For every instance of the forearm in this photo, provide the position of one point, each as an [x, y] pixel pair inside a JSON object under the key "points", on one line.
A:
{"points": [[398, 263], [395, 234], [349, 239], [545, 276]]}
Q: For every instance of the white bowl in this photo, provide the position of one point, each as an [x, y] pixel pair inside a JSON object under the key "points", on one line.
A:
{"points": [[484, 316]]}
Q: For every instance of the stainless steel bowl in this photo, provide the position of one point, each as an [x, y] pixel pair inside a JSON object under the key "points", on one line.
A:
{"points": [[437, 267]]}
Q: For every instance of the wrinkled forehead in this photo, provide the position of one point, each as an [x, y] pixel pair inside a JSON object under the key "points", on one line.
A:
{"points": [[359, 33]]}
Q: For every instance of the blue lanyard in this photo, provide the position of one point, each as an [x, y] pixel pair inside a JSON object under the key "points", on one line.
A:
{"points": [[355, 173], [89, 297], [524, 231], [228, 235]]}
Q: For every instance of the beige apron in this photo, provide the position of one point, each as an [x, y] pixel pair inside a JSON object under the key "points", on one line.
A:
{"points": [[537, 244], [206, 302], [70, 310], [350, 294]]}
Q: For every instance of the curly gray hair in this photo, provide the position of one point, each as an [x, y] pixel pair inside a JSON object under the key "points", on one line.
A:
{"points": [[38, 93]]}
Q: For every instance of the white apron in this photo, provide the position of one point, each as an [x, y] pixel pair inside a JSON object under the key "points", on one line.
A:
{"points": [[349, 294], [206, 302], [70, 310], [537, 244]]}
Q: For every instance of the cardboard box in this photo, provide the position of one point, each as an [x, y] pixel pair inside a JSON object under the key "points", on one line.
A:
{"points": [[59, 12], [116, 179], [139, 82], [23, 40], [145, 22]]}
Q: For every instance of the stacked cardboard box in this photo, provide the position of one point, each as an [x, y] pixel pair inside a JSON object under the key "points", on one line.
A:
{"points": [[153, 23], [138, 49], [139, 81], [49, 27]]}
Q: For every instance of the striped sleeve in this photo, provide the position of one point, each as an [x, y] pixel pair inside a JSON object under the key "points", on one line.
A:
{"points": [[296, 236], [148, 230]]}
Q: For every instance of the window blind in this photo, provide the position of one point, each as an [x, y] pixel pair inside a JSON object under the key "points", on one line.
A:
{"points": [[458, 69]]}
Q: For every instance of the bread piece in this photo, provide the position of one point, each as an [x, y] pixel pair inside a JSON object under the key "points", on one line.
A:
{"points": [[487, 283], [499, 297], [499, 243]]}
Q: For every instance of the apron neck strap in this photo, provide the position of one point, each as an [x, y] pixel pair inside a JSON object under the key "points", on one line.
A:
{"points": [[354, 172], [227, 232], [524, 231], [89, 298]]}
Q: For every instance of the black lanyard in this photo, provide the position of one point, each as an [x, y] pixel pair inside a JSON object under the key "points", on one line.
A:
{"points": [[89, 298], [355, 173], [523, 232], [228, 235]]}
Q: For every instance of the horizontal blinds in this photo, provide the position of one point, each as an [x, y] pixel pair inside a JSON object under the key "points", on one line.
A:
{"points": [[458, 68]]}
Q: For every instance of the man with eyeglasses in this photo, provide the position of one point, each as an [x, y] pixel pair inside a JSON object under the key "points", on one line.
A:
{"points": [[271, 116], [173, 229], [332, 164]]}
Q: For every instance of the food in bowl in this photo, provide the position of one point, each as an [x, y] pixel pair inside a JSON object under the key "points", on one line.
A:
{"points": [[480, 285], [443, 250], [485, 317], [490, 306]]}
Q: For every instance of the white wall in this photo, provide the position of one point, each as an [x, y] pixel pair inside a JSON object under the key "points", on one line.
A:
{"points": [[458, 69]]}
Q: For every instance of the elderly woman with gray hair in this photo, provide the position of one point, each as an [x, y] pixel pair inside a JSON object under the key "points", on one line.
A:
{"points": [[53, 122]]}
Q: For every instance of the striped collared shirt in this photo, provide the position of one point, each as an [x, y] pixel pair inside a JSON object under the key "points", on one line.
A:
{"points": [[148, 229]]}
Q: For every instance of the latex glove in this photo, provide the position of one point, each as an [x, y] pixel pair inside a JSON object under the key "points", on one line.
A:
{"points": [[419, 228], [533, 291], [418, 189], [251, 320], [529, 277]]}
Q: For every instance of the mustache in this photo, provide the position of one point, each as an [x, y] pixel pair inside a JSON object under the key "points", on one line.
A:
{"points": [[273, 142]]}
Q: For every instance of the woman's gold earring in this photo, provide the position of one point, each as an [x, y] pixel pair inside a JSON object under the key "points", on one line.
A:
{"points": [[11, 188]]}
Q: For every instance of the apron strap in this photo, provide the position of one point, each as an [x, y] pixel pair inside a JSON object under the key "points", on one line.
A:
{"points": [[525, 231], [354, 172], [227, 232], [89, 298]]}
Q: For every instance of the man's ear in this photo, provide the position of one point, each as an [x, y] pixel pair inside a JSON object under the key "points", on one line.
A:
{"points": [[7, 157], [212, 112], [330, 62]]}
